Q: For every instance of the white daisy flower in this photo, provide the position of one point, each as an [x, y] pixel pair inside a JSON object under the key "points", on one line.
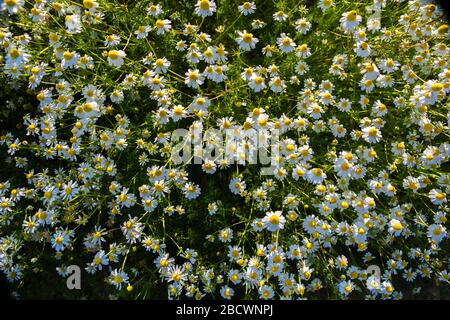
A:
{"points": [[316, 176], [326, 4], [193, 78], [118, 278], [256, 83], [350, 20], [247, 8], [285, 43], [12, 6], [226, 292], [302, 25], [73, 23], [274, 221], [266, 292], [162, 26], [437, 197], [116, 57], [371, 134], [237, 186], [436, 232], [154, 10], [161, 65], [246, 40], [70, 59], [205, 8], [226, 235], [142, 31], [191, 191]]}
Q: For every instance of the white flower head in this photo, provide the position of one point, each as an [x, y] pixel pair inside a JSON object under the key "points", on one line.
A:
{"points": [[274, 221], [205, 8], [246, 40], [116, 57]]}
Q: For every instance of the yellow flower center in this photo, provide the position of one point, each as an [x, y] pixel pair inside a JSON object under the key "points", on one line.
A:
{"points": [[274, 219], [117, 279], [351, 16], [397, 226], [113, 54], [67, 55], [58, 240], [10, 3], [88, 4], [436, 87], [442, 29], [373, 132], [437, 232], [440, 196], [317, 172], [159, 23], [286, 42], [88, 107], [247, 37], [193, 76], [345, 166], [204, 4], [258, 80]]}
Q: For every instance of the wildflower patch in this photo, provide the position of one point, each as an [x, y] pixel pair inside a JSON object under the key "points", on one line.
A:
{"points": [[224, 149]]}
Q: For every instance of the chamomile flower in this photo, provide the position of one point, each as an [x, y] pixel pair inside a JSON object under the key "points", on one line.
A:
{"points": [[396, 227], [70, 59], [226, 292], [237, 186], [193, 79], [118, 278], [247, 8], [274, 221], [437, 197], [205, 8], [246, 40], [436, 232], [371, 134], [73, 23], [162, 26], [350, 20], [12, 6], [257, 83], [91, 5], [191, 191], [316, 175], [266, 292], [302, 25], [276, 84], [326, 4], [346, 287], [363, 50], [161, 65], [60, 240], [200, 103], [154, 10], [280, 16], [226, 235], [116, 57], [285, 43], [112, 40], [142, 31]]}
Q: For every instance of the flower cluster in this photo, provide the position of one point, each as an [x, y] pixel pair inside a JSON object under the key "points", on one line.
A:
{"points": [[355, 93]]}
